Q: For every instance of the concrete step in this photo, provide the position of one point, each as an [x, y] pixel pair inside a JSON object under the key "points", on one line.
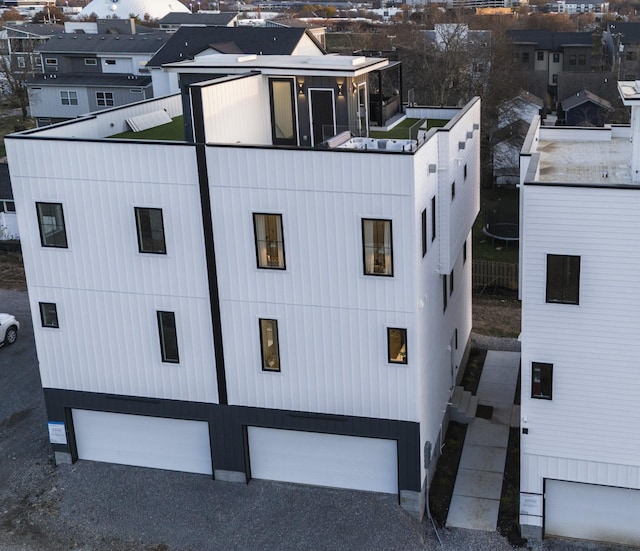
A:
{"points": [[457, 396], [470, 413], [459, 412]]}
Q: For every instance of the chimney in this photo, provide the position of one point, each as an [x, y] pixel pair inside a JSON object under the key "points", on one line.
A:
{"points": [[132, 22]]}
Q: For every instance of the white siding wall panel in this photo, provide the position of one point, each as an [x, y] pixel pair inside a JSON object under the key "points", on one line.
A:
{"points": [[107, 305], [332, 319], [536, 468], [593, 346], [435, 327], [238, 111], [108, 123], [306, 46], [456, 217]]}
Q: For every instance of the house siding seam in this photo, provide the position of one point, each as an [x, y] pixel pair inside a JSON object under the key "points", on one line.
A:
{"points": [[207, 227]]}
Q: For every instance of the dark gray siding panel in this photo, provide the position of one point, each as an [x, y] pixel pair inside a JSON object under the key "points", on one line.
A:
{"points": [[228, 426]]}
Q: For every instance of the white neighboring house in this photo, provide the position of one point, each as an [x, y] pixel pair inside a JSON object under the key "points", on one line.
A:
{"points": [[294, 303], [580, 455], [8, 218]]}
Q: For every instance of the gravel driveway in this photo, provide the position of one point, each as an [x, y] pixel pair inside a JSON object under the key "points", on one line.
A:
{"points": [[98, 506]]}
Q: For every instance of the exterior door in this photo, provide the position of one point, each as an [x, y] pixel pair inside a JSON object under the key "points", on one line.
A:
{"points": [[322, 114], [284, 129], [160, 443], [333, 460]]}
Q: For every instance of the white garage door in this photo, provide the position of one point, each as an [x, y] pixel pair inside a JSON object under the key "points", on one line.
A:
{"points": [[324, 459], [173, 444], [588, 511]]}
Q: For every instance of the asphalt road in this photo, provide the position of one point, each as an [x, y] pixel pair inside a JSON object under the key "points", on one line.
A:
{"points": [[93, 506]]}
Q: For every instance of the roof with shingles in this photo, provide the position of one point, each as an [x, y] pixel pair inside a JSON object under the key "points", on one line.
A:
{"points": [[549, 40], [39, 29], [583, 97], [82, 44], [199, 19], [189, 41]]}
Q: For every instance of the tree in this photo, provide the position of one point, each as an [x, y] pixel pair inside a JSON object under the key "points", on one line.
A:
{"points": [[11, 14], [50, 14], [17, 65]]}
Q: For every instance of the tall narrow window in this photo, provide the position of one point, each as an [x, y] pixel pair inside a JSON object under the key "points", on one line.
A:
{"points": [[445, 293], [451, 283], [283, 119], [397, 345], [453, 190], [269, 241], [269, 345], [541, 380], [51, 224], [168, 337], [424, 232], [563, 279], [49, 314], [464, 252], [150, 230], [433, 218], [377, 247]]}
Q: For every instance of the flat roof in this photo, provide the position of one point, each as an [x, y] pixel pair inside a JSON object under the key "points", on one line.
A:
{"points": [[278, 64], [606, 162]]}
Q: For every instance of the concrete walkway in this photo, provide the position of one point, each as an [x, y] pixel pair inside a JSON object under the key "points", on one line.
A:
{"points": [[476, 495]]}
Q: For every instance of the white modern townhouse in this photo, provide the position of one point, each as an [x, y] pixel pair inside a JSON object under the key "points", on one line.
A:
{"points": [[580, 451], [271, 294]]}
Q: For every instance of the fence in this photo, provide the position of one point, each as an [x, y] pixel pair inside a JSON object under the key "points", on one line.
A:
{"points": [[489, 274]]}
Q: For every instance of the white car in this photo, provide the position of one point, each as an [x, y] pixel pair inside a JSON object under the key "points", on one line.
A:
{"points": [[9, 326]]}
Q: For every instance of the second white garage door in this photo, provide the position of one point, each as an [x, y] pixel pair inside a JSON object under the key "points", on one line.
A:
{"points": [[173, 444], [324, 459], [589, 511]]}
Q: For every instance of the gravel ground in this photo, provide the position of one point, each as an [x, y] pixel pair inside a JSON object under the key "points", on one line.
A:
{"points": [[101, 507], [485, 342]]}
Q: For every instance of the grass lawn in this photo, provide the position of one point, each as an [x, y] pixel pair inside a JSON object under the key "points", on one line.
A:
{"points": [[173, 130]]}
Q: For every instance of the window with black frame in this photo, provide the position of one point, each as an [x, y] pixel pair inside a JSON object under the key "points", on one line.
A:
{"points": [[51, 224], [563, 279], [150, 228], [377, 247]]}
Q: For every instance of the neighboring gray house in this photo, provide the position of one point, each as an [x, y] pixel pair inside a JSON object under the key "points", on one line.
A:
{"points": [[8, 217], [87, 72]]}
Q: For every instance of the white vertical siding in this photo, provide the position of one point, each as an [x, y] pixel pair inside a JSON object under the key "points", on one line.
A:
{"points": [[434, 326], [237, 111], [107, 292], [459, 147], [593, 346], [332, 319]]}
